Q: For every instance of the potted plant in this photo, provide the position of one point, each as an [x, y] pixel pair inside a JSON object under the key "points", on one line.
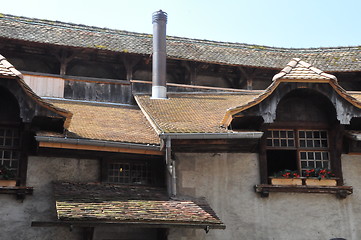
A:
{"points": [[7, 176], [320, 177], [286, 177]]}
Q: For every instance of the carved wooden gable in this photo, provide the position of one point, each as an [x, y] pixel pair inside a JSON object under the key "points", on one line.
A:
{"points": [[301, 83], [29, 104]]}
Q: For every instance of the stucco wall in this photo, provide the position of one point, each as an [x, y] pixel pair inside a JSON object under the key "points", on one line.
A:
{"points": [[226, 181], [16, 216]]}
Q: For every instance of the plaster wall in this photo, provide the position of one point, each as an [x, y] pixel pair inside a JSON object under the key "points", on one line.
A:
{"points": [[16, 216], [226, 180]]}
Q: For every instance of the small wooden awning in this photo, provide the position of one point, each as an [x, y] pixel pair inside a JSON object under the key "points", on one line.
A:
{"points": [[95, 204]]}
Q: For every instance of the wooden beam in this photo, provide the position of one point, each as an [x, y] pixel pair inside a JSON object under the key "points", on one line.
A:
{"points": [[99, 148], [192, 68], [129, 64], [64, 57], [140, 224]]}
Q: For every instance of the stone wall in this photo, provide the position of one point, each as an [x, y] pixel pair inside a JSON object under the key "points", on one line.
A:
{"points": [[226, 180], [16, 216]]}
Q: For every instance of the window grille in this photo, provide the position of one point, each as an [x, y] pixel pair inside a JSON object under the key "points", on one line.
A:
{"points": [[311, 146], [9, 148], [129, 172]]}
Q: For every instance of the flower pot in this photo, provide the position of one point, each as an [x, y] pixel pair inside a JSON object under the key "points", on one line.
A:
{"points": [[7, 183], [321, 182], [286, 181]]}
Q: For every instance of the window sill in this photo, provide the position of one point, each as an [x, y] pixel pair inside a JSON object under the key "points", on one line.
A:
{"points": [[20, 192], [340, 191]]}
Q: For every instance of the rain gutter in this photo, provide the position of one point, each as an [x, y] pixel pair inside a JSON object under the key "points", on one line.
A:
{"points": [[229, 135]]}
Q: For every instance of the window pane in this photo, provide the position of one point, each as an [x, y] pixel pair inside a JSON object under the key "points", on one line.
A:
{"points": [[128, 172], [290, 134], [301, 134], [323, 134], [326, 164], [283, 134], [316, 134], [303, 164], [275, 134]]}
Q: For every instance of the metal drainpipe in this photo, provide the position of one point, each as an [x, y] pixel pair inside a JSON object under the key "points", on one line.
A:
{"points": [[171, 176]]}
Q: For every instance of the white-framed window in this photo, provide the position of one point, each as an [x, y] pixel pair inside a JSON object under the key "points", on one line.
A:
{"points": [[297, 150]]}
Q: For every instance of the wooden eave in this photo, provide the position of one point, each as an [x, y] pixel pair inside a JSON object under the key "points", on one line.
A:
{"points": [[333, 82], [62, 112], [99, 148], [28, 91], [145, 224]]}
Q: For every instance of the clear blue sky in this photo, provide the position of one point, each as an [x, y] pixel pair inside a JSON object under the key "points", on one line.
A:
{"points": [[278, 23]]}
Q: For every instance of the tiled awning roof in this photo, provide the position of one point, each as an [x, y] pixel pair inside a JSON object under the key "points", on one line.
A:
{"points": [[192, 113], [94, 202], [337, 59], [116, 123]]}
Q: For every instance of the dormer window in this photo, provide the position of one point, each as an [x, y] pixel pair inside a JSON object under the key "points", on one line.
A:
{"points": [[303, 134]]}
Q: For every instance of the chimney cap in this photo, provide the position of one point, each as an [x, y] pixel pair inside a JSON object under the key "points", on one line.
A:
{"points": [[159, 16]]}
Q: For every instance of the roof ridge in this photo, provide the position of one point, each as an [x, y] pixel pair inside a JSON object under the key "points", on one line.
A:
{"points": [[296, 62], [10, 67], [255, 47]]}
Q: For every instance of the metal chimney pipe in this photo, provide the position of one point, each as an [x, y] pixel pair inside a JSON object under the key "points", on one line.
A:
{"points": [[159, 88]]}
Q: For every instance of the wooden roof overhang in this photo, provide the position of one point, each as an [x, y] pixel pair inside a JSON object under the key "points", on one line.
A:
{"points": [[138, 224], [336, 59], [286, 81], [52, 142], [31, 105]]}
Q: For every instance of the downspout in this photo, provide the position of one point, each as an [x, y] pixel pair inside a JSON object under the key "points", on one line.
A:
{"points": [[170, 163], [171, 175]]}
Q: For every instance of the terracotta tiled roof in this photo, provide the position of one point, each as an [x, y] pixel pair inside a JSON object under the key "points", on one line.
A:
{"points": [[124, 204], [191, 113], [108, 122], [337, 59]]}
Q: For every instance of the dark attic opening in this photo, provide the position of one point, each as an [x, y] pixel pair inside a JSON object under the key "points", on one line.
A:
{"points": [[301, 136]]}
